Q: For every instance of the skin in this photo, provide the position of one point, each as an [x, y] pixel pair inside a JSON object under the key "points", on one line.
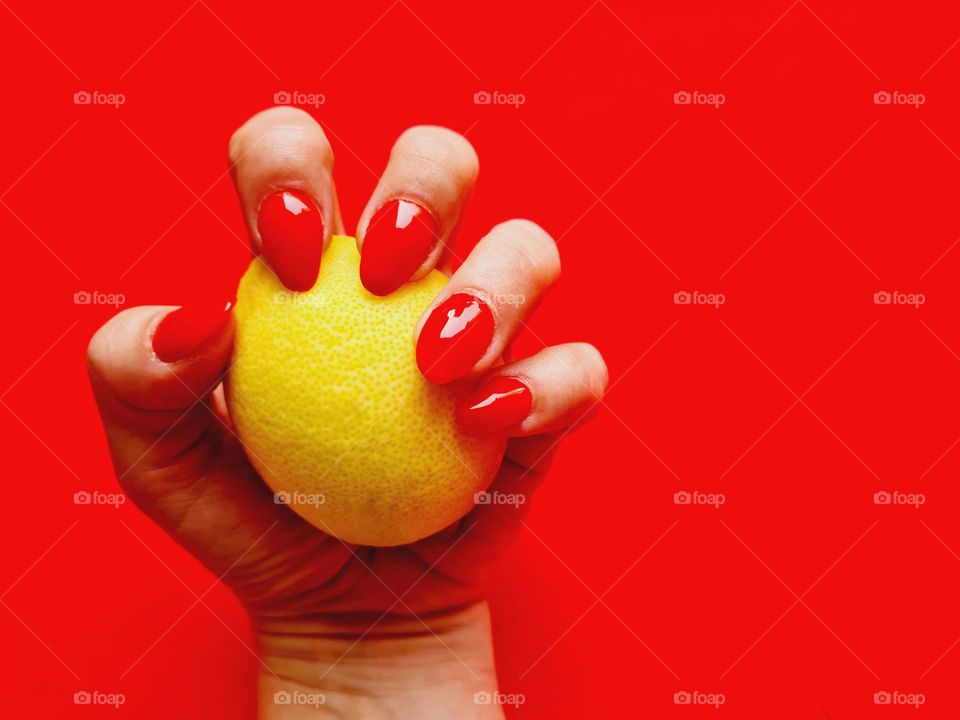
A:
{"points": [[375, 632]]}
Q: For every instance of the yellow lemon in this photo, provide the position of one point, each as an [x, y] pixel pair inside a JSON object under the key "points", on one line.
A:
{"points": [[325, 394]]}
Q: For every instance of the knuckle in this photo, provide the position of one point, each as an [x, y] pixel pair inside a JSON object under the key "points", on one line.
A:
{"points": [[284, 113], [279, 129], [236, 144], [95, 351], [527, 239], [593, 369], [295, 145], [440, 149], [434, 139], [103, 345]]}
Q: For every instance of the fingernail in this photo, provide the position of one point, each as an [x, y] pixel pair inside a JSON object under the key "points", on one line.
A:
{"points": [[291, 232], [499, 403], [455, 336], [184, 331], [399, 238]]}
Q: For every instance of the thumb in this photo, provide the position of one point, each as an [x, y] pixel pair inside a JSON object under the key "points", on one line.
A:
{"points": [[156, 373], [153, 370]]}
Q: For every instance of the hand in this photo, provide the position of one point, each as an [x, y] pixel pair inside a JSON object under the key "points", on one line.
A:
{"points": [[326, 613]]}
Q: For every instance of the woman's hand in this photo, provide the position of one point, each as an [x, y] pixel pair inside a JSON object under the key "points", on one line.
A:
{"points": [[392, 631]]}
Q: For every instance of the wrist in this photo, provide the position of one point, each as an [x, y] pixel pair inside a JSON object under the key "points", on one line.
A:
{"points": [[439, 666]]}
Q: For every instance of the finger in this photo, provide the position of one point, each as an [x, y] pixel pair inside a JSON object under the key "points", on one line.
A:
{"points": [[153, 370], [150, 368], [473, 319], [283, 168], [545, 396], [415, 207], [550, 390]]}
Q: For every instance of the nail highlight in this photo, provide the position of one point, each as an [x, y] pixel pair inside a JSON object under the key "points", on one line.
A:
{"points": [[498, 403]]}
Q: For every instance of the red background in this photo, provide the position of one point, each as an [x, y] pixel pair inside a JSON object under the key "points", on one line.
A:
{"points": [[798, 399]]}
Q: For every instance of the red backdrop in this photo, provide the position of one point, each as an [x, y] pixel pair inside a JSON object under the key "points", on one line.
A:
{"points": [[793, 198]]}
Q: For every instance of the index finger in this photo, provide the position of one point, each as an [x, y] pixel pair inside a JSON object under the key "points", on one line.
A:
{"points": [[283, 169]]}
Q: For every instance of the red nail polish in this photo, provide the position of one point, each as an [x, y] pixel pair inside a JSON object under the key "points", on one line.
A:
{"points": [[184, 331], [291, 232], [454, 337], [399, 238], [499, 403]]}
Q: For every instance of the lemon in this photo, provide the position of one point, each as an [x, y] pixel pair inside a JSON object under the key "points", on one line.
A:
{"points": [[326, 397]]}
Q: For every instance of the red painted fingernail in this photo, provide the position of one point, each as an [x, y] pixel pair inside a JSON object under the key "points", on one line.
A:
{"points": [[398, 239], [499, 403], [291, 230], [455, 336], [184, 331]]}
